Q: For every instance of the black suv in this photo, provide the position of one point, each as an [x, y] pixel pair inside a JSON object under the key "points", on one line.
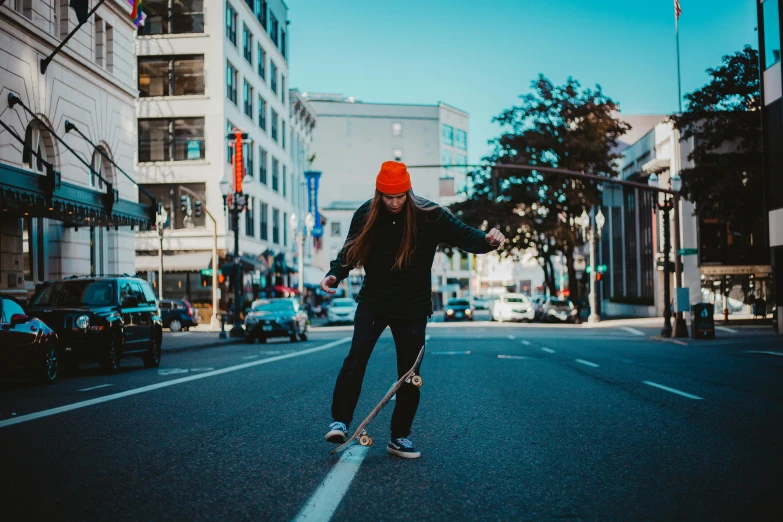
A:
{"points": [[101, 318]]}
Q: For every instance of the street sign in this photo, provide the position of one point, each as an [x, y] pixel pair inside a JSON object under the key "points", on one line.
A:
{"points": [[600, 269], [687, 251]]}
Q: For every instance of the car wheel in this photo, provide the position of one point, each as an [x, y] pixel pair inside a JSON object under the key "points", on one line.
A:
{"points": [[47, 372], [294, 338], [175, 325], [110, 359], [152, 357]]}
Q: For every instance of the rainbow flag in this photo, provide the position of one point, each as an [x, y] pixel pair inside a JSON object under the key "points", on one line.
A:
{"points": [[136, 13]]}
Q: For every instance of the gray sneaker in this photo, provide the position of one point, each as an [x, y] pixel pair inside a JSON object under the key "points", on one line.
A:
{"points": [[338, 433], [403, 447]]}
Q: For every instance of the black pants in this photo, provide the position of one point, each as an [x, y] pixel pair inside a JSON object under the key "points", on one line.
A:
{"points": [[408, 339]]}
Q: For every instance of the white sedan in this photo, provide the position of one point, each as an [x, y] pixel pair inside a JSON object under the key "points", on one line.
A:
{"points": [[513, 307], [341, 310]]}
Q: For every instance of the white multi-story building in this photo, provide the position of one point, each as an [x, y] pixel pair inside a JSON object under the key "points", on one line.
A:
{"points": [[204, 69], [353, 139], [67, 144]]}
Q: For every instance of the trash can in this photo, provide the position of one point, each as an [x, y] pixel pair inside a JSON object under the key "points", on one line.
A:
{"points": [[703, 321]]}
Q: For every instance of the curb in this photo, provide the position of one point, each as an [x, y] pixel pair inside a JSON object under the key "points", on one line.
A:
{"points": [[201, 345]]}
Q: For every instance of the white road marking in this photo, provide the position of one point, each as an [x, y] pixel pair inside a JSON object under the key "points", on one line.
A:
{"points": [[201, 369], [587, 363], [681, 343], [765, 353], [172, 371], [451, 353], [548, 350], [526, 343], [271, 352], [178, 334], [512, 337], [427, 338], [330, 493], [512, 357], [726, 329], [632, 330], [96, 387], [251, 357], [672, 390], [172, 382]]}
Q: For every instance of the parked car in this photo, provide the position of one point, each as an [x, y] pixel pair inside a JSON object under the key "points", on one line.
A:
{"points": [[559, 310], [26, 343], [480, 303], [178, 315], [342, 310], [513, 307], [458, 310], [102, 319], [538, 306], [276, 318]]}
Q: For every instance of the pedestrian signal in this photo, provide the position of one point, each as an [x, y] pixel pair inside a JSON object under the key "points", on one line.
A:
{"points": [[197, 208]]}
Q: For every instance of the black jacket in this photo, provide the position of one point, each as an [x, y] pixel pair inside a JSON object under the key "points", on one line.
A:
{"points": [[407, 293]]}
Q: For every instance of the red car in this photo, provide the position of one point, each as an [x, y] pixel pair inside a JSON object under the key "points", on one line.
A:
{"points": [[26, 342]]}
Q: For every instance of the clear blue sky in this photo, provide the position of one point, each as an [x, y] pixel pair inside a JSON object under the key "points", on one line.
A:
{"points": [[480, 56]]}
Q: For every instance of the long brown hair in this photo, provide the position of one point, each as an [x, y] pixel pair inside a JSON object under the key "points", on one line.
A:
{"points": [[357, 248]]}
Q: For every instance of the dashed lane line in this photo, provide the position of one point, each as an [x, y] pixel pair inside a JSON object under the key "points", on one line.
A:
{"points": [[526, 343], [547, 350], [587, 363], [631, 330], [330, 493], [83, 404], [726, 329], [763, 352], [672, 390], [96, 387], [512, 357], [451, 353]]}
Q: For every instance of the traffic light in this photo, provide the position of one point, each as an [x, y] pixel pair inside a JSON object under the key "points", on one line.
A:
{"points": [[183, 203], [197, 208]]}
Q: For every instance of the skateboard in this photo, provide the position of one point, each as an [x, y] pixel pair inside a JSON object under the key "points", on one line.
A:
{"points": [[361, 433]]}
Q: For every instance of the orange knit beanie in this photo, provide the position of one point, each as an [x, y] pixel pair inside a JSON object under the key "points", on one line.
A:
{"points": [[393, 178]]}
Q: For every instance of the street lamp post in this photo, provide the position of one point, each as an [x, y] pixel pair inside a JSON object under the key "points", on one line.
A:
{"points": [[160, 221], [591, 232], [300, 235], [666, 206]]}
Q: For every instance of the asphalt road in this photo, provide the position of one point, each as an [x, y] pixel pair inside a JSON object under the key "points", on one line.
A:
{"points": [[515, 423]]}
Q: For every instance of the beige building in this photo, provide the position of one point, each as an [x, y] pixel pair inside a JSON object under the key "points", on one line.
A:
{"points": [[67, 144]]}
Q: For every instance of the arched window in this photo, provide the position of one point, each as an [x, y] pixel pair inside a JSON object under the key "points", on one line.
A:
{"points": [[102, 166], [38, 147]]}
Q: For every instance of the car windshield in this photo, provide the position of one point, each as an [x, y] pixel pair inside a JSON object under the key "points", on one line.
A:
{"points": [[282, 305], [516, 300], [558, 302], [343, 303], [76, 293], [458, 302]]}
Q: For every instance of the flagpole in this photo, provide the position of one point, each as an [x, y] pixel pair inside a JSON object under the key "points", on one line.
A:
{"points": [[679, 76]]}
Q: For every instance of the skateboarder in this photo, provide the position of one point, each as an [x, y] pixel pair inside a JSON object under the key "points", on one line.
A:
{"points": [[394, 237]]}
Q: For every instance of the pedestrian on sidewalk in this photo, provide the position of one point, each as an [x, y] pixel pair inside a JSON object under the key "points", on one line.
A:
{"points": [[394, 237]]}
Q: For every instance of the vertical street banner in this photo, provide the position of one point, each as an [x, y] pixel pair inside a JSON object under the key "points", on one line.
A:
{"points": [[313, 179]]}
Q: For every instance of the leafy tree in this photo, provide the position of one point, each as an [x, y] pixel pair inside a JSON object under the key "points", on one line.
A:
{"points": [[724, 117], [562, 126]]}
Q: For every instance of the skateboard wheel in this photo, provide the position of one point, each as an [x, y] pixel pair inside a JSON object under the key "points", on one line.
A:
{"points": [[417, 381], [365, 440]]}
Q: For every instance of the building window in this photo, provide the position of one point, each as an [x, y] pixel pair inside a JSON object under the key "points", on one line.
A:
{"points": [[282, 43], [109, 48], [173, 17], [771, 33], [231, 24], [285, 187], [171, 75], [446, 159], [274, 124], [273, 76], [98, 40], [250, 218], [101, 168], [462, 160], [248, 97], [250, 4], [231, 82], [261, 113], [164, 139], [262, 162], [264, 222], [396, 129], [275, 175], [61, 26], [447, 134], [275, 226], [282, 89], [247, 156], [273, 29], [397, 153], [282, 133], [261, 62], [261, 13], [335, 229], [461, 139], [247, 44], [285, 229]]}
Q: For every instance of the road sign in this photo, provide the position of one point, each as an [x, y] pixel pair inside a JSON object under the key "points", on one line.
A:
{"points": [[687, 251], [600, 269]]}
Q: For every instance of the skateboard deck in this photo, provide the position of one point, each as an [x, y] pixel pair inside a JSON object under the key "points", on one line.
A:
{"points": [[361, 433]]}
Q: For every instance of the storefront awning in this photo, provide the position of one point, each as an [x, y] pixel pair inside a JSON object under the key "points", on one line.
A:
{"points": [[249, 263], [313, 276], [185, 262], [24, 193]]}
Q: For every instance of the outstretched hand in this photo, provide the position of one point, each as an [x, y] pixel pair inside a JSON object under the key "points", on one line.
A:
{"points": [[328, 283], [495, 237]]}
